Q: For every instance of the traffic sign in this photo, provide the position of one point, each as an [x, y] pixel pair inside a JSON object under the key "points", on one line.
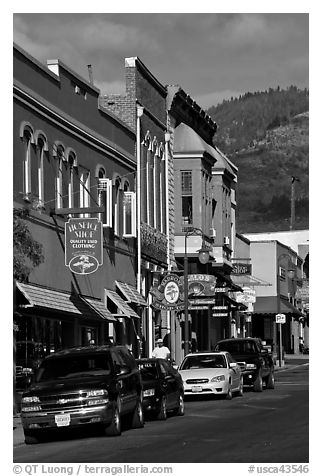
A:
{"points": [[280, 318]]}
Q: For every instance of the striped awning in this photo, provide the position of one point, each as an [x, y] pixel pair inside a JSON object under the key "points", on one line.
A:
{"points": [[64, 302], [131, 294], [122, 309]]}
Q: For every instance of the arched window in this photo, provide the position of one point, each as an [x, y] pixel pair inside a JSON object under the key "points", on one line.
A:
{"points": [[118, 207], [70, 172], [84, 191], [58, 153], [41, 149], [27, 138]]}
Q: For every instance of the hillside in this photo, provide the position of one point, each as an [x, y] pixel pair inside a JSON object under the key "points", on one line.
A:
{"points": [[267, 136]]}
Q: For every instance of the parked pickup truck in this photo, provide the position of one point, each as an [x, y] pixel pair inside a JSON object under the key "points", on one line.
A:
{"points": [[254, 360]]}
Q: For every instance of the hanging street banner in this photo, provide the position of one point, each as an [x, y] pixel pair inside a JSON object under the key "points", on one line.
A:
{"points": [[83, 245]]}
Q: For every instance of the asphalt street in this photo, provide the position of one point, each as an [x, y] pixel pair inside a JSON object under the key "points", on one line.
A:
{"points": [[272, 426]]}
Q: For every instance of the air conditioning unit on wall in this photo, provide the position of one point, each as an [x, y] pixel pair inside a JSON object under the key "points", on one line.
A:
{"points": [[212, 233], [226, 240]]}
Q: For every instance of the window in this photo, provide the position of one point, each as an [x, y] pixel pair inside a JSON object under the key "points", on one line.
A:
{"points": [[186, 193], [129, 214], [59, 154], [40, 150], [27, 140], [84, 190], [71, 178], [105, 200], [118, 208]]}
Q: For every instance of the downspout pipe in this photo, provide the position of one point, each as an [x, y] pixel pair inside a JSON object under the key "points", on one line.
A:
{"points": [[139, 113]]}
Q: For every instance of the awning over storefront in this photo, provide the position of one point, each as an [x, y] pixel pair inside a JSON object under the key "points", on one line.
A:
{"points": [[228, 281], [120, 304], [51, 299], [248, 280], [269, 305], [131, 294]]}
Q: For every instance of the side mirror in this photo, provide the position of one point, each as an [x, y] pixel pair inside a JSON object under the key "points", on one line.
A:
{"points": [[123, 370], [233, 365]]}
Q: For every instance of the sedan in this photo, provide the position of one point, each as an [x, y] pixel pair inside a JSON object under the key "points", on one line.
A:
{"points": [[211, 373], [162, 388]]}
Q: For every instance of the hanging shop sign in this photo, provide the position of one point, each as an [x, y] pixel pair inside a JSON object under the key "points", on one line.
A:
{"points": [[241, 269], [201, 284], [169, 295], [247, 296], [83, 245]]}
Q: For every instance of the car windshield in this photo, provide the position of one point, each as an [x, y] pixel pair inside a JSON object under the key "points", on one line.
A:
{"points": [[237, 347], [204, 362], [73, 366], [148, 371]]}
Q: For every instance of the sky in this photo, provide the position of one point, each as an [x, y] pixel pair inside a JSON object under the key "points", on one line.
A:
{"points": [[212, 56]]}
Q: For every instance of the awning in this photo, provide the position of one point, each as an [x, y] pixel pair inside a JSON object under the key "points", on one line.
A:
{"points": [[269, 305], [131, 294], [248, 280], [120, 304], [229, 283], [60, 301]]}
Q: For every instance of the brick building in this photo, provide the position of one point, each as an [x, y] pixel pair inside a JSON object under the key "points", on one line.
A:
{"points": [[70, 157]]}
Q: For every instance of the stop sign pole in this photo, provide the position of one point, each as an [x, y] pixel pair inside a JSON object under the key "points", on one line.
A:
{"points": [[280, 319]]}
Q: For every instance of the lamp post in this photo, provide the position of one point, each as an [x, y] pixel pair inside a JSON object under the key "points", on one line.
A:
{"points": [[290, 274], [203, 255]]}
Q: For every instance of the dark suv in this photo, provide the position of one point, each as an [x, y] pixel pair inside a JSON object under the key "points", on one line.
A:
{"points": [[255, 361], [83, 386]]}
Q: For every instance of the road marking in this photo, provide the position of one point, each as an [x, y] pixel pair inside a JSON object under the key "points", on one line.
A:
{"points": [[291, 383]]}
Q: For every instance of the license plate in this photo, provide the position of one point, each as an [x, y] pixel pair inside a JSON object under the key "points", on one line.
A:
{"points": [[196, 389], [62, 420]]}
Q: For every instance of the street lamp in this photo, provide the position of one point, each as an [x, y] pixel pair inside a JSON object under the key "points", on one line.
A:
{"points": [[203, 255], [291, 275]]}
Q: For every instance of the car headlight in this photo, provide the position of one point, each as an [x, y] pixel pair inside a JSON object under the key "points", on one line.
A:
{"points": [[250, 366], [34, 408], [149, 392], [98, 401], [32, 399], [27, 370], [218, 378], [96, 393]]}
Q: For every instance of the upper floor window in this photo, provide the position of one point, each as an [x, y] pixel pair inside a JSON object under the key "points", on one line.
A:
{"points": [[27, 137], [129, 212], [84, 189], [104, 197], [186, 197], [118, 209], [59, 151], [41, 148]]}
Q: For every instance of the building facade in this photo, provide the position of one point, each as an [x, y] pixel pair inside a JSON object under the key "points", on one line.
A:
{"points": [[73, 160]]}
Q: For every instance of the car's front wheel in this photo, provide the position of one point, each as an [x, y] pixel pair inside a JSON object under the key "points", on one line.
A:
{"points": [[31, 437], [258, 384], [229, 394], [114, 428]]}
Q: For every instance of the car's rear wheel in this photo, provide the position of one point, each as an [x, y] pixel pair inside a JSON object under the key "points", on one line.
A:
{"points": [[241, 388], [180, 408], [137, 416], [162, 413], [114, 428], [270, 382], [258, 384]]}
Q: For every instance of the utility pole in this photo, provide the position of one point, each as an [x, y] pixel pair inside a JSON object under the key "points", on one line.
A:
{"points": [[294, 179]]}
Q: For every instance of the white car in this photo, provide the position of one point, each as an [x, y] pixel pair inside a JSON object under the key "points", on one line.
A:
{"points": [[211, 373]]}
